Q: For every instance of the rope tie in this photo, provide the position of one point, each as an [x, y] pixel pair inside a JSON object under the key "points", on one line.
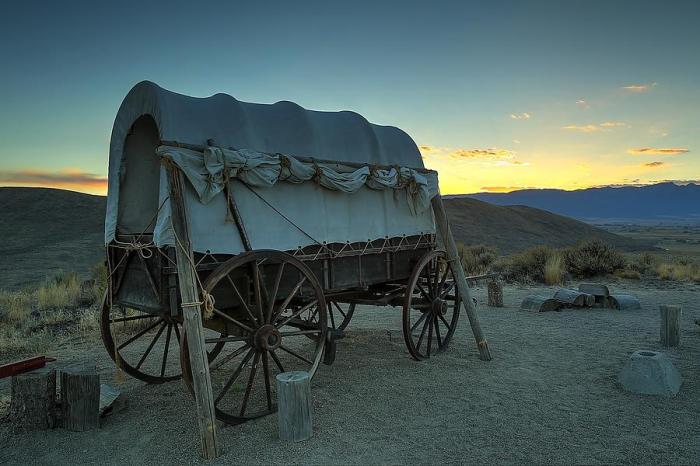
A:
{"points": [[207, 304], [142, 249]]}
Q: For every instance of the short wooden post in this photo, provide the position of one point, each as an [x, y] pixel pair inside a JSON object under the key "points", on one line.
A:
{"points": [[192, 318], [443, 229], [80, 398], [33, 402], [495, 289], [294, 406], [670, 325]]}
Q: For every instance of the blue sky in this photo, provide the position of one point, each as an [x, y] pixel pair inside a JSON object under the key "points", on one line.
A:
{"points": [[499, 95]]}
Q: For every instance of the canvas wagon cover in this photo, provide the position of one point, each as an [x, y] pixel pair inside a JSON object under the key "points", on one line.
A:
{"points": [[283, 216]]}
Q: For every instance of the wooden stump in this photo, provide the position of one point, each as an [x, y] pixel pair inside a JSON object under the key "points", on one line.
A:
{"points": [[495, 294], [80, 398], [536, 303], [574, 298], [33, 403], [294, 406], [670, 325]]}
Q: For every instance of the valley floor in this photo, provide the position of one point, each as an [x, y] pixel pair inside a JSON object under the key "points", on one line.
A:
{"points": [[549, 396]]}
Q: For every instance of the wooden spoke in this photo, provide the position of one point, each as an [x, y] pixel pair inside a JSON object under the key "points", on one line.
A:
{"points": [[258, 293], [128, 319], [287, 300], [140, 334], [150, 347], [423, 292], [267, 375], [422, 333], [287, 350], [443, 280], [234, 321], [177, 333], [437, 332], [165, 350], [241, 300], [300, 332], [449, 288], [418, 322], [230, 356], [296, 314], [275, 289], [235, 375], [430, 334], [249, 387], [330, 314], [277, 361], [449, 329], [337, 306], [226, 339]]}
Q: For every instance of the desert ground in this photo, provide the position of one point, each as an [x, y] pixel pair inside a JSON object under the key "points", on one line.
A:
{"points": [[550, 395]]}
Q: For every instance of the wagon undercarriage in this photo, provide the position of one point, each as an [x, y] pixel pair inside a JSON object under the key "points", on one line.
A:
{"points": [[268, 312]]}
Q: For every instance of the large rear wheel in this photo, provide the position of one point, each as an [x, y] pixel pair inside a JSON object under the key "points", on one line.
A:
{"points": [[271, 302]]}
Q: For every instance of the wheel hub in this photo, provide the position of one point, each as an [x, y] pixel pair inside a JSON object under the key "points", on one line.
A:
{"points": [[267, 338], [439, 306]]}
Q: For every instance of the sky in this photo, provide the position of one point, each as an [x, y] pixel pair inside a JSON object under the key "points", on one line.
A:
{"points": [[498, 95]]}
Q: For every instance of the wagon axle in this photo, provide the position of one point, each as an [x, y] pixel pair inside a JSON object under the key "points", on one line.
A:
{"points": [[267, 338]]}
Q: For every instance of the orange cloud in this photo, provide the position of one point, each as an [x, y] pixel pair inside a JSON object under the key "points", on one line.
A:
{"points": [[654, 164], [658, 151], [491, 153], [639, 87], [583, 128], [70, 178]]}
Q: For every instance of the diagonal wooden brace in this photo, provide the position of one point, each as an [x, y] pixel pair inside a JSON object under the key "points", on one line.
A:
{"points": [[443, 230]]}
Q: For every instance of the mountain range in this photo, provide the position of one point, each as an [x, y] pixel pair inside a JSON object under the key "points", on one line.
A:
{"points": [[662, 202], [47, 230]]}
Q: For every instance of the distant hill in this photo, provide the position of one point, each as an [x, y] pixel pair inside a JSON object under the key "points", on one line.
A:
{"points": [[659, 202], [47, 230], [514, 228]]}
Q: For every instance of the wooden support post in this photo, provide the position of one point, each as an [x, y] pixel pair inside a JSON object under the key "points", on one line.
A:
{"points": [[495, 289], [80, 398], [294, 406], [445, 234], [670, 325], [192, 318], [33, 402]]}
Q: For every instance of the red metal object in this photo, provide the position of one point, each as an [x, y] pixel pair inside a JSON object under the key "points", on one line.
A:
{"points": [[24, 365]]}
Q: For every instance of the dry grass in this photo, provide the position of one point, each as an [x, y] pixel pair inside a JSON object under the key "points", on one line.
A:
{"points": [[33, 321], [554, 270], [683, 271]]}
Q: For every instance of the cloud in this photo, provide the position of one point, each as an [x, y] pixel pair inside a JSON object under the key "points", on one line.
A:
{"points": [[583, 104], [583, 128], [491, 153], [426, 149], [520, 116], [658, 151], [508, 163], [654, 164], [66, 178], [592, 128], [639, 87]]}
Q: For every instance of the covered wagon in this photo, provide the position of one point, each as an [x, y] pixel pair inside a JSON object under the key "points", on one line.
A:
{"points": [[241, 237]]}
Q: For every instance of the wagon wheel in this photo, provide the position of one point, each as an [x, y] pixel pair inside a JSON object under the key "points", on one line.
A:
{"points": [[339, 315], [145, 346], [279, 304], [431, 306]]}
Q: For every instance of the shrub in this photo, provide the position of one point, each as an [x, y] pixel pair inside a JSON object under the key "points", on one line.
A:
{"points": [[61, 292], [527, 265], [592, 258], [99, 281], [476, 259], [628, 273], [554, 270], [644, 263]]}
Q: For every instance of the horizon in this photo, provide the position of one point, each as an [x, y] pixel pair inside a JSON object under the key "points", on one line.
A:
{"points": [[498, 97]]}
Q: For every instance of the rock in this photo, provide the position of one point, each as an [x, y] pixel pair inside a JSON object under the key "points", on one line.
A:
{"points": [[650, 373]]}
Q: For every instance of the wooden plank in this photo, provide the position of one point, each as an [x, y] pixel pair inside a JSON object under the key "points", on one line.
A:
{"points": [[443, 230], [80, 398], [25, 365], [670, 326], [294, 406], [192, 318]]}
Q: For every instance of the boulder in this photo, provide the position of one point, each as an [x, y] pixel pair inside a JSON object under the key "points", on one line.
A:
{"points": [[650, 373]]}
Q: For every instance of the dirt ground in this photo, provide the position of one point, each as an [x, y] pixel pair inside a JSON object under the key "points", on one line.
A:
{"points": [[549, 396]]}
